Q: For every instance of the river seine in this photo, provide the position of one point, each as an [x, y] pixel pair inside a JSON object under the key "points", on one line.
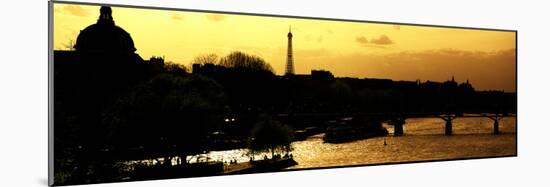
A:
{"points": [[424, 139]]}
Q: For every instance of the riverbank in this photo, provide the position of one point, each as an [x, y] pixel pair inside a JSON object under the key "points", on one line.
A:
{"points": [[208, 169], [260, 166], [187, 170]]}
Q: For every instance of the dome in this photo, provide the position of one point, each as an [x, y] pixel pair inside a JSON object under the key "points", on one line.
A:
{"points": [[104, 36]]}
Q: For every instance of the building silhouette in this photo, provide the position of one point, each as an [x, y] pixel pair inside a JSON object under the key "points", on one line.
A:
{"points": [[102, 43], [289, 57], [103, 63], [105, 48], [105, 36]]}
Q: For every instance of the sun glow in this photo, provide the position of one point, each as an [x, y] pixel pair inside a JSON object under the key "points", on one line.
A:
{"points": [[347, 49]]}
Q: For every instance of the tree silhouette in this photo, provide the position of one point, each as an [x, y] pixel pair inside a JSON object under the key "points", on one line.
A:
{"points": [[269, 135], [244, 62], [167, 116], [174, 68], [209, 58]]}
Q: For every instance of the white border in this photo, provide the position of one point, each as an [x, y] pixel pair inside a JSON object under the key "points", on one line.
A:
{"points": [[24, 107]]}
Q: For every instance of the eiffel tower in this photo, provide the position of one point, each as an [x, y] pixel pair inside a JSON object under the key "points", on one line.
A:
{"points": [[289, 58]]}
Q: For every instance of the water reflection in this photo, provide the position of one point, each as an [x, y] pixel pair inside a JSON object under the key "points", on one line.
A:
{"points": [[424, 139]]}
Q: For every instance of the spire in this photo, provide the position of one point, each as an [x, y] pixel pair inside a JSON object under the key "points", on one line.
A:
{"points": [[105, 15], [289, 31], [453, 78], [289, 55]]}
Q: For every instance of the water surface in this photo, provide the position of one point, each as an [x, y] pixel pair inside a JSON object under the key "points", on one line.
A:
{"points": [[424, 139]]}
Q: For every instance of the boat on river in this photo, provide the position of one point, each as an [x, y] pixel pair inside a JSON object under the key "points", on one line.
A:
{"points": [[351, 129]]}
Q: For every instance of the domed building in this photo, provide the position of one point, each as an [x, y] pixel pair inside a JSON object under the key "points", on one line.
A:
{"points": [[101, 43], [104, 54], [104, 36]]}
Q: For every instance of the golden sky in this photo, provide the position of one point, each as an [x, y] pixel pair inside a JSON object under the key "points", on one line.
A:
{"points": [[347, 49]]}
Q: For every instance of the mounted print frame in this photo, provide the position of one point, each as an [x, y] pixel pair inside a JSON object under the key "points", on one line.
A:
{"points": [[142, 93]]}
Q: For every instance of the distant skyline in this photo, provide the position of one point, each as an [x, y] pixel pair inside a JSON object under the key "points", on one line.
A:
{"points": [[347, 49]]}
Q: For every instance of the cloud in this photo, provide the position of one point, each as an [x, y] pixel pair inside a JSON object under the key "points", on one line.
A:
{"points": [[320, 38], [362, 40], [177, 17], [215, 17], [382, 40], [76, 10], [486, 70]]}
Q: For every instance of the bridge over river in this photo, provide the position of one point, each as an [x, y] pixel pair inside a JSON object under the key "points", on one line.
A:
{"points": [[398, 120]]}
